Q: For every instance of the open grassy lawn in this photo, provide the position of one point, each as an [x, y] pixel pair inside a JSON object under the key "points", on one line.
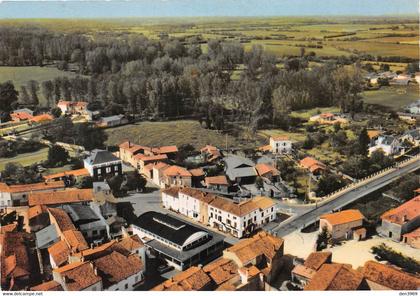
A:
{"points": [[21, 75], [26, 158], [279, 132], [306, 114], [172, 133], [395, 97]]}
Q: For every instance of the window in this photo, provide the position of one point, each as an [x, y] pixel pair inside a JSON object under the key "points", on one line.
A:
{"points": [[94, 232], [272, 209], [126, 286], [108, 169], [116, 167], [211, 215]]}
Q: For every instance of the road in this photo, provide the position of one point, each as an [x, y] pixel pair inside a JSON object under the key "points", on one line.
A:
{"points": [[304, 218]]}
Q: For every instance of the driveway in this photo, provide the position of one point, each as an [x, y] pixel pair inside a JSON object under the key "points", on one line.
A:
{"points": [[357, 253]]}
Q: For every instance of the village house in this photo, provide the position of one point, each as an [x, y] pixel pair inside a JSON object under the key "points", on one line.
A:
{"points": [[314, 166], [189, 202], [180, 243], [210, 153], [267, 171], [69, 196], [401, 220], [336, 277], [17, 195], [78, 276], [328, 119], [101, 164], [246, 266], [346, 224], [236, 218], [175, 176], [303, 273], [111, 121], [21, 115], [16, 268], [217, 183], [240, 169], [412, 238], [119, 263], [143, 157], [69, 107], [66, 174], [280, 144], [384, 277], [390, 145], [240, 218], [412, 136], [197, 176]]}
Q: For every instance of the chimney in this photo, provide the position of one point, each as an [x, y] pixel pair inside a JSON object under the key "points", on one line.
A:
{"points": [[405, 218], [129, 144]]}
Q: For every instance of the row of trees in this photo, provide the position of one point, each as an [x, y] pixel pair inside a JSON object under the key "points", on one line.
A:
{"points": [[169, 78]]}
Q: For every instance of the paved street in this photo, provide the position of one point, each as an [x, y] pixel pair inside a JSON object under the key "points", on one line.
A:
{"points": [[312, 214]]}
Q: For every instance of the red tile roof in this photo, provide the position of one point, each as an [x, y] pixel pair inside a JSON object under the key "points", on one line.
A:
{"points": [[316, 259], [31, 187], [75, 240], [343, 217], [192, 279], [335, 277], [405, 212], [165, 149], [389, 277], [413, 234], [75, 173], [280, 138], [312, 164], [42, 117], [198, 194], [78, 275], [21, 115], [242, 208], [61, 197], [197, 172], [59, 252], [116, 267], [36, 210], [261, 243], [48, 286], [143, 157], [264, 169], [216, 180], [175, 170], [62, 218]]}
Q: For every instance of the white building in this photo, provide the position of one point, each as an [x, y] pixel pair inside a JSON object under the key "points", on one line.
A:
{"points": [[227, 215], [280, 144], [240, 218], [390, 145]]}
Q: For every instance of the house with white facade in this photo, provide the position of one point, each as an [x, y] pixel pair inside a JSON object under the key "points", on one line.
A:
{"points": [[390, 145], [227, 215], [280, 144], [17, 195]]}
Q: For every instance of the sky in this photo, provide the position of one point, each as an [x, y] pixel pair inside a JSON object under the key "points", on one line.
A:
{"points": [[179, 8]]}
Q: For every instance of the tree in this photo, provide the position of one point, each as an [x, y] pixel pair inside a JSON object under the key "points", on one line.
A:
{"points": [[33, 87], [24, 96], [363, 142], [57, 156], [85, 182], [328, 183], [8, 96], [323, 239], [47, 88], [259, 182], [134, 181], [56, 112]]}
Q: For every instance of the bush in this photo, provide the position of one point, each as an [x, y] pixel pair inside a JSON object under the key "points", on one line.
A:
{"points": [[383, 252]]}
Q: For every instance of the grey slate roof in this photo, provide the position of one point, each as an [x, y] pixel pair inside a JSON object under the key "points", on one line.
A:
{"points": [[234, 161], [237, 167], [80, 213], [101, 156], [167, 227]]}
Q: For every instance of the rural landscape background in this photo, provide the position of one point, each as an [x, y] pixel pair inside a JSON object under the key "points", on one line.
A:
{"points": [[305, 113]]}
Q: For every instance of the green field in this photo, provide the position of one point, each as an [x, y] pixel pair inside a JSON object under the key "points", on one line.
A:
{"points": [[334, 36], [173, 133], [26, 158], [21, 75], [394, 97]]}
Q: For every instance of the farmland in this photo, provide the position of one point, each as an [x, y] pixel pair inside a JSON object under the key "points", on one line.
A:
{"points": [[281, 36], [21, 75], [394, 97]]}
